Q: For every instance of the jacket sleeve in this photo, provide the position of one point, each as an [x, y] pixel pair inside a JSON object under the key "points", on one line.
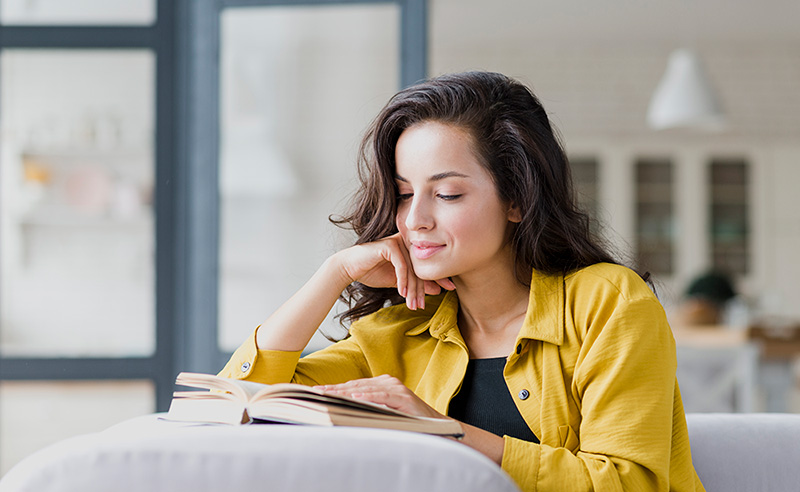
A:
{"points": [[337, 363], [624, 381]]}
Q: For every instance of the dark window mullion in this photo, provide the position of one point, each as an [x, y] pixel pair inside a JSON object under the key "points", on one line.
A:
{"points": [[77, 37], [413, 42], [83, 368], [166, 185]]}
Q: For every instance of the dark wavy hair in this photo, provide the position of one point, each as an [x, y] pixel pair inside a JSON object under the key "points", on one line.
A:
{"points": [[517, 145]]}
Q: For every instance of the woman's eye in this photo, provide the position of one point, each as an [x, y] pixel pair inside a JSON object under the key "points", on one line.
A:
{"points": [[448, 198], [404, 196]]}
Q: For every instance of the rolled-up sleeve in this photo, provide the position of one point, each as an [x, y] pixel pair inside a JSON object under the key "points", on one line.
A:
{"points": [[337, 363], [263, 366]]}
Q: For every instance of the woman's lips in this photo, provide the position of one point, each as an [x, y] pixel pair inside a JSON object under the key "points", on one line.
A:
{"points": [[423, 251]]}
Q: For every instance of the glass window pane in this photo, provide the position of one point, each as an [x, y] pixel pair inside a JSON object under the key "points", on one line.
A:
{"points": [[76, 216], [34, 415], [298, 88], [729, 216], [654, 216], [77, 12]]}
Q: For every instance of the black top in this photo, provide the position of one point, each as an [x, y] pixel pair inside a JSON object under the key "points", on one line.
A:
{"points": [[485, 402]]}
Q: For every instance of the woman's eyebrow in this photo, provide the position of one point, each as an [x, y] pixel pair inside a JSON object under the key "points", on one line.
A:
{"points": [[436, 177]]}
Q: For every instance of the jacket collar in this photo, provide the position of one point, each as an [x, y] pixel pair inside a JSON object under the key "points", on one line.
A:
{"points": [[543, 321], [444, 318], [545, 317]]}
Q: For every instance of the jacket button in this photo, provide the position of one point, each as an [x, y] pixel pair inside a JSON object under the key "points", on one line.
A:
{"points": [[519, 349], [245, 366], [523, 395]]}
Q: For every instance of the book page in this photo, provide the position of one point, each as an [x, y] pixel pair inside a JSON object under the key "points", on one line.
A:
{"points": [[207, 410], [243, 390]]}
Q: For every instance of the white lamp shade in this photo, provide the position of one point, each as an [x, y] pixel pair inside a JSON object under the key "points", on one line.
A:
{"points": [[684, 97]]}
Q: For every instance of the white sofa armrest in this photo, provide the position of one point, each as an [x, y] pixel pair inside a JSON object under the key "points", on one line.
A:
{"points": [[746, 452]]}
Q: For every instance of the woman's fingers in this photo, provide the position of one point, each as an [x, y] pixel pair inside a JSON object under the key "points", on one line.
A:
{"points": [[409, 285], [385, 390], [407, 281], [361, 383], [394, 255], [436, 286], [446, 283], [432, 288], [360, 387], [393, 267], [417, 287]]}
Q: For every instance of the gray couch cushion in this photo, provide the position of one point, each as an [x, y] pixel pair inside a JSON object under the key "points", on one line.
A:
{"points": [[746, 452]]}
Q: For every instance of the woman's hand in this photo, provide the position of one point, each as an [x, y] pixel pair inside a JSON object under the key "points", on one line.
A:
{"points": [[394, 394], [387, 263], [386, 390]]}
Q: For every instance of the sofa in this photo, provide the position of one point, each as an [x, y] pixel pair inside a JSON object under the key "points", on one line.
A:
{"points": [[731, 452], [757, 452]]}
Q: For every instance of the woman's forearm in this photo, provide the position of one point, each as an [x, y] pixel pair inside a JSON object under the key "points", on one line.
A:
{"points": [[383, 263], [291, 327], [491, 445]]}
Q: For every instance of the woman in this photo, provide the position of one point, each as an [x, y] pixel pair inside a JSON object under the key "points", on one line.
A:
{"points": [[558, 362]]}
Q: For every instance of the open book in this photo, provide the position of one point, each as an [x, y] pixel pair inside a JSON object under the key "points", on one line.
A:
{"points": [[233, 401]]}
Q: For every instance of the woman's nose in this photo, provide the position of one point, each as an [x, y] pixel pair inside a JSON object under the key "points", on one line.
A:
{"points": [[419, 215]]}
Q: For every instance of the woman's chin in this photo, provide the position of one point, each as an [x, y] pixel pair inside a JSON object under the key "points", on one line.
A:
{"points": [[432, 274]]}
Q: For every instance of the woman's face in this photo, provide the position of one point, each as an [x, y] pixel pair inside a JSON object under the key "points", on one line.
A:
{"points": [[448, 212]]}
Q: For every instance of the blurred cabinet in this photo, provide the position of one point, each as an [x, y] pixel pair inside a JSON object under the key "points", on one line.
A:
{"points": [[677, 210], [585, 171], [655, 231], [729, 217]]}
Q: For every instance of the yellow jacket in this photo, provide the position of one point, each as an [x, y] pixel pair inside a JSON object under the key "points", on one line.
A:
{"points": [[595, 354]]}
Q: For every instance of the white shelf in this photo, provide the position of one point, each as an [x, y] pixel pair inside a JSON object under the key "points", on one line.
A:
{"points": [[69, 221], [70, 155]]}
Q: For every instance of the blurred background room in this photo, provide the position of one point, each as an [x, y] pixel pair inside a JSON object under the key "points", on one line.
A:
{"points": [[168, 168]]}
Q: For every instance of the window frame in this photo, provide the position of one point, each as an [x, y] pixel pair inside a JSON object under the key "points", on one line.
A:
{"points": [[185, 41], [158, 38]]}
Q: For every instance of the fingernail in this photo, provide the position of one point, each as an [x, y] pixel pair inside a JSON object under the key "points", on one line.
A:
{"points": [[422, 303]]}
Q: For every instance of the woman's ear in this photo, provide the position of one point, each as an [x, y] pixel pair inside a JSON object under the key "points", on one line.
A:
{"points": [[514, 214]]}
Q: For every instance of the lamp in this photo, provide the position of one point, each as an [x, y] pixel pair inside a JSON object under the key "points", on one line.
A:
{"points": [[684, 97]]}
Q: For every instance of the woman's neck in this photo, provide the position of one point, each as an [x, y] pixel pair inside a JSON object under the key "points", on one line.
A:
{"points": [[491, 311]]}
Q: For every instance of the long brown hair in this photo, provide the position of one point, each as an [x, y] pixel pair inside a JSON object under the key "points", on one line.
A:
{"points": [[516, 144]]}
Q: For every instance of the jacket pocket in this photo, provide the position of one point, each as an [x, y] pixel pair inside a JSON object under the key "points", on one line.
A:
{"points": [[569, 438]]}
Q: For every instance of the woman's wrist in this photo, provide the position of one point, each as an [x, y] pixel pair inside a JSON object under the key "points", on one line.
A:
{"points": [[291, 326], [490, 445], [334, 268]]}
